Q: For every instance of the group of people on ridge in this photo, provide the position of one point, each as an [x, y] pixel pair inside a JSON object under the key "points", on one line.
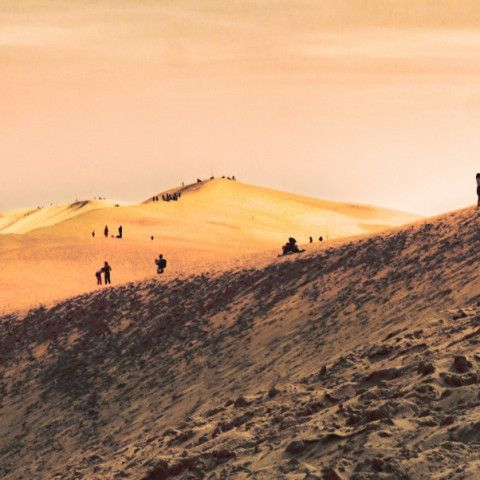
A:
{"points": [[168, 197], [105, 232]]}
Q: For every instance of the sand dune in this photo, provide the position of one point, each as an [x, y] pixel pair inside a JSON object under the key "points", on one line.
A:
{"points": [[356, 360], [213, 224], [26, 220]]}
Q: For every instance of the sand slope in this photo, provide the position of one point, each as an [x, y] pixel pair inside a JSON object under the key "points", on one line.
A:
{"points": [[26, 220], [356, 360], [212, 224]]}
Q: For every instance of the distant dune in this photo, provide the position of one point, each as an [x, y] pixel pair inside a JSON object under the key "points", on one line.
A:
{"points": [[28, 219], [50, 253], [358, 359]]}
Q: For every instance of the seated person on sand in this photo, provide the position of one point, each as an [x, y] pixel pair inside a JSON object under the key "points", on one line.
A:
{"points": [[291, 246]]}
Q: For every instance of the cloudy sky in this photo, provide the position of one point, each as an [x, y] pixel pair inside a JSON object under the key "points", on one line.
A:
{"points": [[363, 101]]}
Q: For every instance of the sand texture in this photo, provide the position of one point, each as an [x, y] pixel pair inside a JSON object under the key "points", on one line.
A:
{"points": [[358, 359]]}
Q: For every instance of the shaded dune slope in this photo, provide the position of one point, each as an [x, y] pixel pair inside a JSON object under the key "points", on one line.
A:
{"points": [[356, 361]]}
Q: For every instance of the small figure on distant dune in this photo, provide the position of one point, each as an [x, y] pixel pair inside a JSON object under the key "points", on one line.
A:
{"points": [[93, 233], [320, 239], [106, 269], [120, 232], [151, 238], [311, 240], [161, 263], [98, 274], [105, 231], [478, 189]]}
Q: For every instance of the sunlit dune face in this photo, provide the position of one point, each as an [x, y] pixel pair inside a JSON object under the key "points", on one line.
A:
{"points": [[52, 252]]}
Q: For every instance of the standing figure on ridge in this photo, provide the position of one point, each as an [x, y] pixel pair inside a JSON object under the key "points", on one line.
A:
{"points": [[161, 263], [106, 270], [478, 189], [105, 231]]}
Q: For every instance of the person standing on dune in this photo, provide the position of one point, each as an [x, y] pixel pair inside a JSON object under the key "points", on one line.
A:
{"points": [[98, 274], [106, 270], [161, 263], [478, 189], [105, 232]]}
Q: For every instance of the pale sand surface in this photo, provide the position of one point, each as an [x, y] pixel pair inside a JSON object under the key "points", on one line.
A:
{"points": [[51, 254], [356, 360]]}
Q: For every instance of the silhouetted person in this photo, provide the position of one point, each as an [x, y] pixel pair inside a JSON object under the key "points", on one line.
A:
{"points": [[120, 232], [105, 232], [320, 239], [478, 189], [161, 263], [311, 240], [290, 247], [106, 270], [98, 274], [93, 233]]}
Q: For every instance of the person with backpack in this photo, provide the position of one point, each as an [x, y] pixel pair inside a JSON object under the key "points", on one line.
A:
{"points": [[161, 263]]}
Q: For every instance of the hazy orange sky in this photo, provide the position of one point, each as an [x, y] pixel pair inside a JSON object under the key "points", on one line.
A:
{"points": [[372, 102]]}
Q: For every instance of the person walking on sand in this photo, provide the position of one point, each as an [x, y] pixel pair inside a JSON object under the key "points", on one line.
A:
{"points": [[98, 274], [161, 263], [106, 270], [120, 232], [478, 189], [105, 231]]}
